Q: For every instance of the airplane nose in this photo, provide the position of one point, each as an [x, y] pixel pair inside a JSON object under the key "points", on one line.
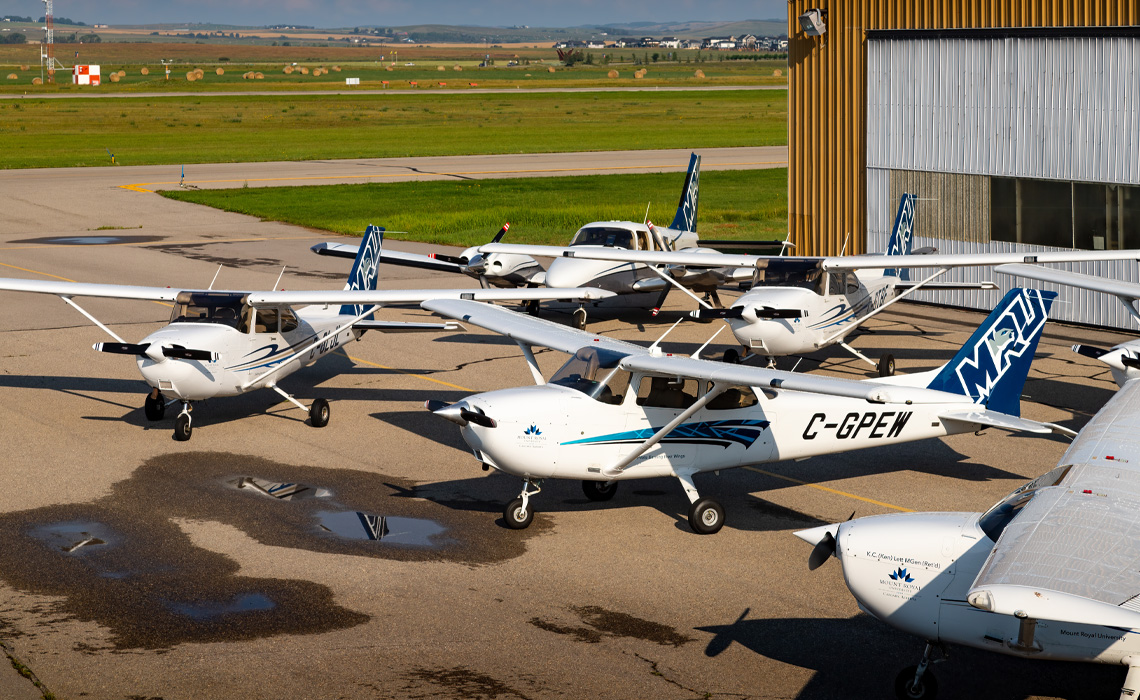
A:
{"points": [[460, 413]]}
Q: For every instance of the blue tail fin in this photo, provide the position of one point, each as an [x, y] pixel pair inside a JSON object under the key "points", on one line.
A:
{"points": [[902, 235], [364, 268], [686, 218], [992, 366]]}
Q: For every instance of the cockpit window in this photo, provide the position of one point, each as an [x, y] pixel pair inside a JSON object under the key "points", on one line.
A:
{"points": [[994, 520], [208, 307], [595, 374], [790, 272], [609, 236]]}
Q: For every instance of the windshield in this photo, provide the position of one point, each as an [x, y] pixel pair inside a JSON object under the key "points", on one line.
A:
{"points": [[208, 307], [788, 272], [994, 520], [595, 374], [610, 236]]}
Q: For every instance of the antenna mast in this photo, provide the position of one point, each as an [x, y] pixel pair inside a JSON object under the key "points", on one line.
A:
{"points": [[47, 50]]}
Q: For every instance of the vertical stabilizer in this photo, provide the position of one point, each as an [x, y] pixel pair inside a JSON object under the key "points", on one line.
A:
{"points": [[992, 366], [686, 218], [902, 235], [364, 268]]}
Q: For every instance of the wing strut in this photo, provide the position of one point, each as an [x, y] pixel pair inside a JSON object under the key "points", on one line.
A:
{"points": [[614, 470], [77, 307], [900, 297], [281, 365], [531, 363], [669, 278]]}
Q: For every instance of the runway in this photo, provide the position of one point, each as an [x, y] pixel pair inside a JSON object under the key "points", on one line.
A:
{"points": [[208, 591]]}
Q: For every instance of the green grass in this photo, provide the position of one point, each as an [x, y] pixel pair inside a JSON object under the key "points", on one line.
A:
{"points": [[180, 130], [733, 204]]}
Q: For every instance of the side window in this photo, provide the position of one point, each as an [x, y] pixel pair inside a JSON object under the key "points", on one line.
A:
{"points": [[642, 241], [852, 284], [734, 397], [612, 387], [246, 319], [666, 392], [837, 283], [266, 321], [288, 320]]}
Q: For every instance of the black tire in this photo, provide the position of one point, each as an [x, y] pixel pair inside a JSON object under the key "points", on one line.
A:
{"points": [[905, 689], [532, 308], [731, 356], [319, 413], [887, 366], [517, 518], [182, 427], [599, 490], [706, 517], [154, 408], [580, 319]]}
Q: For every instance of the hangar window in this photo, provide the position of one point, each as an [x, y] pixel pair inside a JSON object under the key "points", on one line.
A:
{"points": [[1081, 215]]}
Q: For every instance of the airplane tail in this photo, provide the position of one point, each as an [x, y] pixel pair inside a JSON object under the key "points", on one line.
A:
{"points": [[992, 366], [364, 268], [686, 218], [902, 235]]}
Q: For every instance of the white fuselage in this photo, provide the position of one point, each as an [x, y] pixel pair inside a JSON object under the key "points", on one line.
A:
{"points": [[242, 356], [553, 431], [618, 277], [913, 570], [828, 309]]}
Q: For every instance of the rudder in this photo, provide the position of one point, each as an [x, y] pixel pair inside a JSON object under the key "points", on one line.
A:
{"points": [[364, 272], [901, 241], [686, 218]]}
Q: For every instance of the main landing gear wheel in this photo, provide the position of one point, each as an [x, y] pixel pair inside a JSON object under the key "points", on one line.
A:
{"points": [[731, 356], [706, 517], [154, 407], [887, 366], [517, 515], [599, 490], [906, 688], [532, 308], [580, 319], [182, 427], [319, 413]]}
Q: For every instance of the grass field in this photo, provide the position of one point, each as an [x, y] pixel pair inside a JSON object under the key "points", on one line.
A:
{"points": [[740, 204], [178, 130]]}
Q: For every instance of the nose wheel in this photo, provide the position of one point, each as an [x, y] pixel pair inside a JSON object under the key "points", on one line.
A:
{"points": [[580, 318], [518, 514], [917, 682], [183, 428]]}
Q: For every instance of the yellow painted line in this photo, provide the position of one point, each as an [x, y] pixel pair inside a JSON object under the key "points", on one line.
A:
{"points": [[830, 490], [410, 374], [141, 186], [143, 244], [65, 279]]}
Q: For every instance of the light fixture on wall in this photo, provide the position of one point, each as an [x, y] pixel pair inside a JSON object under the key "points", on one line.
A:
{"points": [[812, 22]]}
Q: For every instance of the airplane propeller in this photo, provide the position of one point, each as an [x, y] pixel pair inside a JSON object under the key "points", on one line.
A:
{"points": [[144, 350], [822, 551], [459, 414], [1090, 351]]}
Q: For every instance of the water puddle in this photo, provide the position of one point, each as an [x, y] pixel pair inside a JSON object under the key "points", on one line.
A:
{"points": [[90, 240], [76, 536], [206, 610], [379, 528], [282, 491]]}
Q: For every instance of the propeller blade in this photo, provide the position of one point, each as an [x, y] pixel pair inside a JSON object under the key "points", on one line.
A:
{"points": [[182, 353], [455, 259], [928, 250], [821, 552], [768, 312], [734, 312], [477, 418], [1089, 351], [502, 232], [434, 405], [661, 299], [122, 348], [1129, 361]]}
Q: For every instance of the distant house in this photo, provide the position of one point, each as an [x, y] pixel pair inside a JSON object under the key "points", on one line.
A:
{"points": [[647, 42], [670, 42], [719, 43], [595, 44]]}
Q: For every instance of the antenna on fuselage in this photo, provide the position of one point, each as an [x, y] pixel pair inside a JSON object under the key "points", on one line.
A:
{"points": [[279, 277], [646, 219], [844, 251], [655, 350], [215, 278], [697, 354]]}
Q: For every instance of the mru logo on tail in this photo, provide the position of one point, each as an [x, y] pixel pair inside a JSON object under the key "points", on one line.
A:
{"points": [[1009, 337]]}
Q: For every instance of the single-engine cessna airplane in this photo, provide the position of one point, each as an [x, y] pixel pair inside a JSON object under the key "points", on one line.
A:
{"points": [[1122, 359], [1051, 571], [225, 343], [520, 269], [798, 305], [618, 411]]}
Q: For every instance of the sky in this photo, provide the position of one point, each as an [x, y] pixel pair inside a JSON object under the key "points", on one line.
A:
{"points": [[341, 13]]}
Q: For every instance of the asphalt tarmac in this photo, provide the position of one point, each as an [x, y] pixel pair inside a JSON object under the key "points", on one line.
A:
{"points": [[189, 582]]}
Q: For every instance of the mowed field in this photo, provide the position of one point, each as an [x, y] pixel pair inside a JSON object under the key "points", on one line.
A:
{"points": [[244, 128], [742, 204]]}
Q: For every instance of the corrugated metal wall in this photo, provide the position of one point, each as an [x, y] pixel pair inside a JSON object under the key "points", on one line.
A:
{"points": [[827, 84], [1059, 108]]}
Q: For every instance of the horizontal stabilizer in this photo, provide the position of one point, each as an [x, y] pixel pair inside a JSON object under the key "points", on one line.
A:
{"points": [[336, 250], [994, 419], [406, 327], [1045, 604]]}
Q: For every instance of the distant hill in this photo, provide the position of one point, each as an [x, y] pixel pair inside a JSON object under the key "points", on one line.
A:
{"points": [[698, 30]]}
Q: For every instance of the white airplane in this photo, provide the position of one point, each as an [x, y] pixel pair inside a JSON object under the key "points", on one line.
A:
{"points": [[1122, 359], [797, 305], [520, 269], [225, 343], [1052, 571], [618, 411]]}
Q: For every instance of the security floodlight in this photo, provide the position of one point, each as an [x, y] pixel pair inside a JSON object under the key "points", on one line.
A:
{"points": [[812, 22]]}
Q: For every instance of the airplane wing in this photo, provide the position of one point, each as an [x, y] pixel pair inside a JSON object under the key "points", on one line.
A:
{"points": [[543, 333], [404, 296], [651, 257], [1072, 554], [389, 257], [1127, 290], [82, 289]]}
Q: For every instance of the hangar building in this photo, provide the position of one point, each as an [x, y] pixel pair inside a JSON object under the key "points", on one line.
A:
{"points": [[1016, 122]]}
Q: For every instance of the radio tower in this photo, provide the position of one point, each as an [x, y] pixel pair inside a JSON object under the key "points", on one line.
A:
{"points": [[47, 51]]}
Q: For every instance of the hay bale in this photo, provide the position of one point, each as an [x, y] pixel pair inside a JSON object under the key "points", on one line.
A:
{"points": [[640, 74], [336, 69], [317, 72], [13, 76], [115, 77], [191, 76], [200, 73], [698, 73], [37, 81], [220, 71], [304, 70], [777, 72], [440, 68], [388, 68], [288, 70], [612, 74], [145, 71], [23, 68], [457, 68], [550, 69], [258, 76], [122, 74]]}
